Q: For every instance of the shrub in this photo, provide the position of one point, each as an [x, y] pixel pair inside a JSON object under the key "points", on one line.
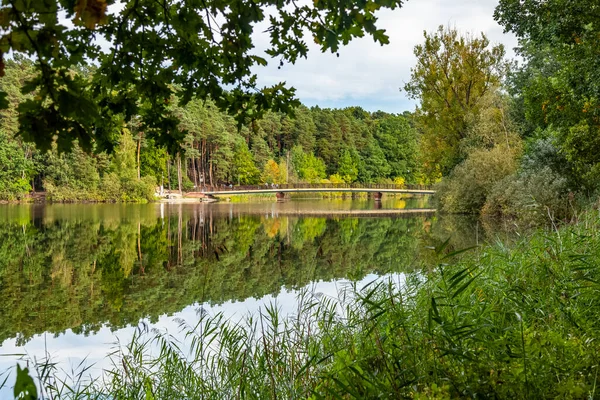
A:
{"points": [[531, 197], [138, 190], [15, 190], [542, 187], [467, 187], [336, 178], [399, 181], [111, 187]]}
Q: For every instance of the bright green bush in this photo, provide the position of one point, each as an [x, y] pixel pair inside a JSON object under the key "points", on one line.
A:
{"points": [[16, 169], [15, 190], [111, 187]]}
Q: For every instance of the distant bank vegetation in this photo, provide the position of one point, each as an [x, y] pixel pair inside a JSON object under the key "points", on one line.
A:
{"points": [[313, 145]]}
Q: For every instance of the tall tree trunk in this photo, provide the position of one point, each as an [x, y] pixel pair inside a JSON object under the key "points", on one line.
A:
{"points": [[194, 172], [169, 172], [204, 176], [179, 172], [199, 171], [201, 166], [138, 154]]}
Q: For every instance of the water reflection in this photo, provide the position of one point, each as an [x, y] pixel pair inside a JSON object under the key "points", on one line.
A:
{"points": [[82, 267], [79, 267], [74, 276]]}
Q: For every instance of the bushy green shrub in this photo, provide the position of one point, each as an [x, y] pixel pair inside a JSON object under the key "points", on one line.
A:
{"points": [[467, 187], [145, 188], [539, 191], [137, 190], [16, 169], [68, 194], [111, 187], [531, 197], [15, 190]]}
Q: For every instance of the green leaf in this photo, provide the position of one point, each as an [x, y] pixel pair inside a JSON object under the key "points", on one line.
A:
{"points": [[25, 386]]}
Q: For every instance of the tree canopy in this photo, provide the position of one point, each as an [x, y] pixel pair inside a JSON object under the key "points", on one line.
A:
{"points": [[453, 74], [142, 52], [558, 85]]}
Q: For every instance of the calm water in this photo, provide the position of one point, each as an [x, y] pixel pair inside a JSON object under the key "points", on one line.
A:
{"points": [[74, 278]]}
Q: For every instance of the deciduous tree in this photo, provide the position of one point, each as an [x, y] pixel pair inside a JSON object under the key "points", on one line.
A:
{"points": [[453, 73]]}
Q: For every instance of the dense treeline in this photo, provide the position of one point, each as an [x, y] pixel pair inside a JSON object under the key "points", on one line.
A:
{"points": [[513, 139], [312, 145]]}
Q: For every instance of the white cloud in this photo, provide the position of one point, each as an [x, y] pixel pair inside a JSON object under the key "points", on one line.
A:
{"points": [[369, 75]]}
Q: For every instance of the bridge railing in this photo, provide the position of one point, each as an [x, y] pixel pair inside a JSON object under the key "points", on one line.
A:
{"points": [[314, 186]]}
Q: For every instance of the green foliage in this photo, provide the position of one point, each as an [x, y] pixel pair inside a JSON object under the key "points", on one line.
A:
{"points": [[156, 49], [78, 176], [73, 176], [271, 173], [16, 169], [399, 144], [360, 146], [308, 167], [558, 86], [283, 172], [540, 191], [374, 163], [471, 182], [452, 74], [348, 169], [17, 160], [153, 160], [492, 149], [336, 178], [111, 187], [244, 170]]}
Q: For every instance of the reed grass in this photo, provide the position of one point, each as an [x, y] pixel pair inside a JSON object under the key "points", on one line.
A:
{"points": [[519, 321]]}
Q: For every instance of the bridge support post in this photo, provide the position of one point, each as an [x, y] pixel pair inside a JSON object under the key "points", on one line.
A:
{"points": [[377, 196], [280, 196]]}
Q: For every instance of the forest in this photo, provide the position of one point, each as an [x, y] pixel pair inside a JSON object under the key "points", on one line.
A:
{"points": [[499, 137], [311, 145]]}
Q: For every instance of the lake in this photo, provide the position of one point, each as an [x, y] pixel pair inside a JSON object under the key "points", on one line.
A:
{"points": [[74, 279]]}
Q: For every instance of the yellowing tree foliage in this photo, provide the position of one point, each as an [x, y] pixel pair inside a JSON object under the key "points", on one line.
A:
{"points": [[452, 75], [271, 172]]}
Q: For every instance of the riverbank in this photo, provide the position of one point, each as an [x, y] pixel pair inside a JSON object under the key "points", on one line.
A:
{"points": [[191, 197], [503, 321]]}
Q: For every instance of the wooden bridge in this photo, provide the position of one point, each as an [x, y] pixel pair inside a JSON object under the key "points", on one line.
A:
{"points": [[280, 190]]}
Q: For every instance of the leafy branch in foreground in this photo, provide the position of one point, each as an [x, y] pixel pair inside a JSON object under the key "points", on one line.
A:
{"points": [[202, 48]]}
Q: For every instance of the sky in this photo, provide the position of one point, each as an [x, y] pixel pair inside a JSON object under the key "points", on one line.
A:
{"points": [[369, 75]]}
